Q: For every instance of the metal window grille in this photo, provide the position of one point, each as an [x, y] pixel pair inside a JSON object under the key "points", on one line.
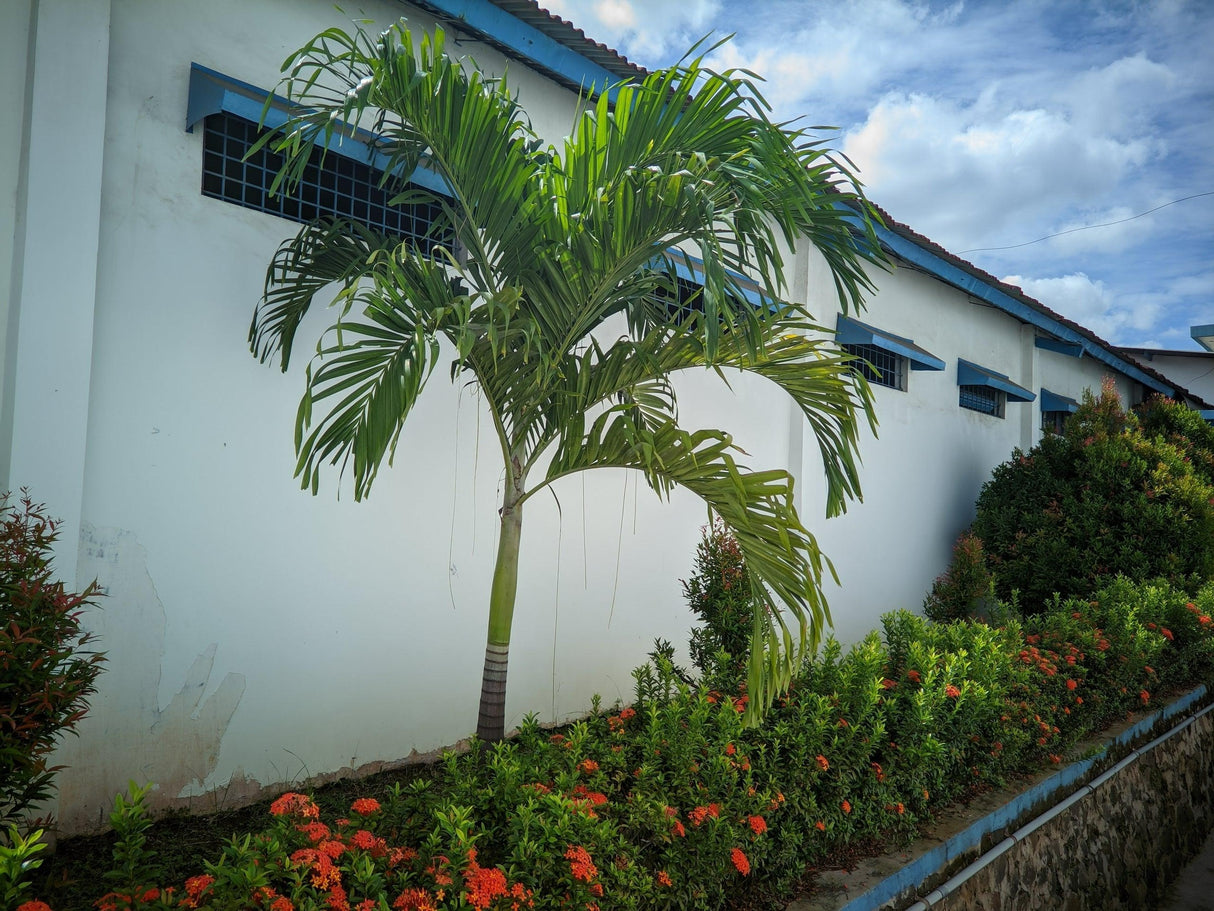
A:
{"points": [[338, 187], [879, 367], [982, 398], [1053, 421]]}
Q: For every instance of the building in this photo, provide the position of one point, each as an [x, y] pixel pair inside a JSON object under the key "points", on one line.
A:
{"points": [[258, 635]]}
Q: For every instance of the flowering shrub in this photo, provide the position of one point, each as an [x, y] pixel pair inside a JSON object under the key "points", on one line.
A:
{"points": [[1099, 500], [672, 803], [47, 671]]}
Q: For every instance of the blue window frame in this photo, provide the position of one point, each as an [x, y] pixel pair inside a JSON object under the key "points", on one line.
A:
{"points": [[883, 358], [987, 391]]}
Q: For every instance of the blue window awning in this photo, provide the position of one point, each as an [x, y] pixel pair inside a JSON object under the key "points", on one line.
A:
{"points": [[212, 92], [970, 374], [1052, 401], [853, 332]]}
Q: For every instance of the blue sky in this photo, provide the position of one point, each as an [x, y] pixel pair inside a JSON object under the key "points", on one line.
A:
{"points": [[992, 124]]}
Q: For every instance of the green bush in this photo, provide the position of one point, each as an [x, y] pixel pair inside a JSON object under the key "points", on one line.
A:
{"points": [[673, 803], [47, 672], [718, 593], [959, 591], [1184, 428], [1099, 500]]}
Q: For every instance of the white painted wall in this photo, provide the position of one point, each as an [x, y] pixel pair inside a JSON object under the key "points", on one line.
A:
{"points": [[1194, 371], [258, 634]]}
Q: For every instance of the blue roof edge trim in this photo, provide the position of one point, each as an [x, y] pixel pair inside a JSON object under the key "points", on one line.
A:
{"points": [[691, 268], [213, 92], [1207, 415], [533, 46], [850, 331], [1052, 401], [970, 374], [913, 253]]}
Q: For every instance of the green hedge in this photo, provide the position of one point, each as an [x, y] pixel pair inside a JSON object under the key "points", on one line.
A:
{"points": [[671, 803]]}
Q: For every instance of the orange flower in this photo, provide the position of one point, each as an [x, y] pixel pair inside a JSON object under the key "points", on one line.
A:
{"points": [[889, 684], [365, 806], [664, 878], [678, 829], [758, 824], [730, 749], [414, 900], [820, 826], [698, 815], [913, 676], [589, 766], [626, 713], [294, 804], [846, 807], [823, 764], [282, 903], [483, 884], [740, 860], [901, 809], [1145, 697], [1071, 684], [951, 691], [34, 906], [1167, 633], [581, 865], [714, 810]]}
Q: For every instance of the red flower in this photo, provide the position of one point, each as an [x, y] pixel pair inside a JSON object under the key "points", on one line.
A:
{"points": [[581, 865], [758, 824], [483, 884], [1145, 697], [282, 903], [589, 766], [1167, 633], [291, 804], [414, 900], [846, 807], [740, 860], [627, 713], [365, 806], [820, 826], [889, 684], [714, 810], [34, 906], [951, 691], [823, 764], [730, 749], [1071, 684], [698, 815], [913, 676], [678, 829], [663, 879]]}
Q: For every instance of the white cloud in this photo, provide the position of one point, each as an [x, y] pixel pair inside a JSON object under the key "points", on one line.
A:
{"points": [[648, 32], [1116, 318], [1122, 98], [970, 178]]}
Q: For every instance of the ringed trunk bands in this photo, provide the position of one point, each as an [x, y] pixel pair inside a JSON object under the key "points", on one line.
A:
{"points": [[493, 693]]}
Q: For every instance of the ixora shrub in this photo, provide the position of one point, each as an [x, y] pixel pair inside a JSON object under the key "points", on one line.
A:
{"points": [[1099, 500], [674, 803], [47, 671]]}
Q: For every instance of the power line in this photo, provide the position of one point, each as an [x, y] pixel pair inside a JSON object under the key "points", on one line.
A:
{"points": [[1089, 227]]}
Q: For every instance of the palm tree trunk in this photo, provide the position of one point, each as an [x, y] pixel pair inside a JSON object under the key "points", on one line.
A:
{"points": [[491, 723]]}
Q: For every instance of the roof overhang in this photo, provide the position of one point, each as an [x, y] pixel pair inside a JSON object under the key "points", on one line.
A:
{"points": [[970, 374]]}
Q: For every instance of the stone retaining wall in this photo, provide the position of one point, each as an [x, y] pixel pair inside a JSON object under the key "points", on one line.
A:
{"points": [[1117, 848]]}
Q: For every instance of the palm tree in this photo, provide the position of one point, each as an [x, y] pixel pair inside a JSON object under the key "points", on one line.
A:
{"points": [[555, 288]]}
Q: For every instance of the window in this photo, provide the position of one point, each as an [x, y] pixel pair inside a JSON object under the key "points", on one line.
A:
{"points": [[885, 356], [987, 391], [338, 186], [984, 399], [1055, 409], [878, 366]]}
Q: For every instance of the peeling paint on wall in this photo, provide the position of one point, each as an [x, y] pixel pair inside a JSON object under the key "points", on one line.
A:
{"points": [[127, 735]]}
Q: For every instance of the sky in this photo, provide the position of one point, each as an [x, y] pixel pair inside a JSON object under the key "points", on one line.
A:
{"points": [[990, 126]]}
